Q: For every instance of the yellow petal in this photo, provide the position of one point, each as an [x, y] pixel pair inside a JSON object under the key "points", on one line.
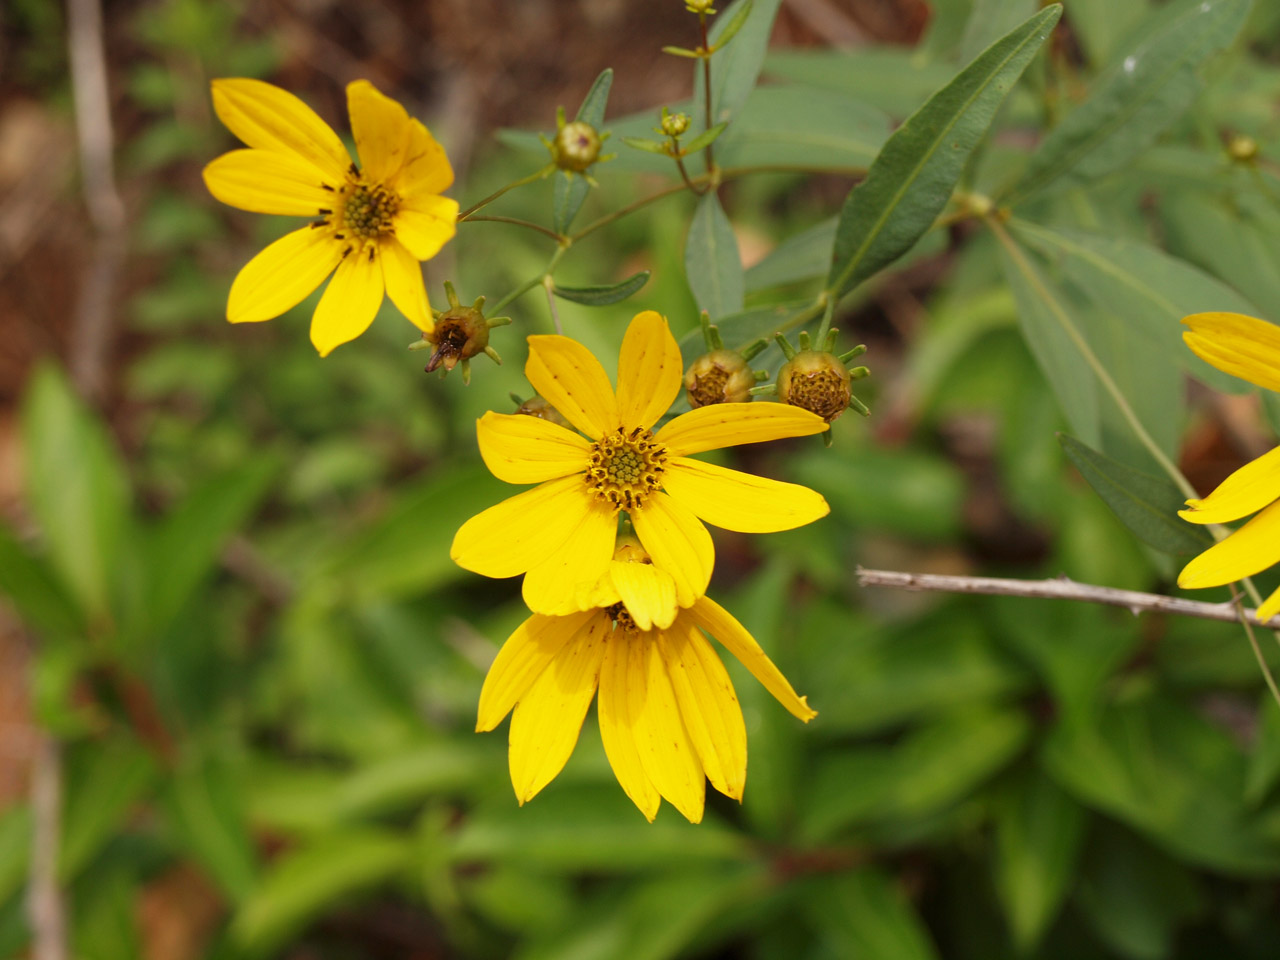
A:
{"points": [[425, 225], [1252, 548], [1271, 607], [426, 170], [548, 718], [566, 579], [650, 371], [282, 275], [617, 727], [521, 660], [264, 181], [648, 593], [523, 449], [266, 117], [668, 758], [718, 622], [708, 706], [1242, 346], [678, 543], [729, 424], [403, 278], [1246, 491], [571, 379], [521, 531], [381, 129], [740, 501], [350, 302]]}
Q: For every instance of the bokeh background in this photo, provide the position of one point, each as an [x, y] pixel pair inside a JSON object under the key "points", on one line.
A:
{"points": [[253, 737]]}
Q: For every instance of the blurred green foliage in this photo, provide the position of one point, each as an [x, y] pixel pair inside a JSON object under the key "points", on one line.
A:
{"points": [[264, 571]]}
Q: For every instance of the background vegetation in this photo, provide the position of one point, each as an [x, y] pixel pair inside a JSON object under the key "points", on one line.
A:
{"points": [[235, 639]]}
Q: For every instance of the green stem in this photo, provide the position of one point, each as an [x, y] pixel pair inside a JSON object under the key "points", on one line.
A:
{"points": [[828, 303], [527, 224], [706, 84], [537, 175], [529, 284], [1257, 649], [684, 175], [549, 285]]}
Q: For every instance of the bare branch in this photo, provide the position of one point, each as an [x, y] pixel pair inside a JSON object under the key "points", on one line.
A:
{"points": [[45, 906], [1063, 588]]}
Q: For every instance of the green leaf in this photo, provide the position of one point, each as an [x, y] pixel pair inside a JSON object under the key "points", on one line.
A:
{"points": [[989, 21], [648, 146], [864, 915], [186, 545], [894, 79], [734, 70], [929, 770], [1045, 326], [1039, 830], [106, 916], [104, 781], [711, 260], [1147, 505], [594, 829], [15, 849], [604, 294], [801, 256], [324, 873], [205, 809], [571, 191], [1149, 288], [1136, 99], [784, 124], [1264, 760], [732, 25], [913, 177], [704, 139], [77, 489], [37, 595]]}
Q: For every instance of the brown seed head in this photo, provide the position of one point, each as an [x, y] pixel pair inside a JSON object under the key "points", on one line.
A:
{"points": [[460, 333], [817, 382], [721, 376]]}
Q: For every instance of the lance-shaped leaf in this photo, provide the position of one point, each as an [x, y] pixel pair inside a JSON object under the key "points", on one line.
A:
{"points": [[1137, 98], [1147, 505], [604, 294], [711, 260], [919, 166], [735, 67], [571, 191]]}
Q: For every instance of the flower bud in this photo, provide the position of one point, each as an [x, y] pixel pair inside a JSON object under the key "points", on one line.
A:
{"points": [[1243, 149], [721, 376], [674, 124], [699, 6], [536, 406], [576, 146]]}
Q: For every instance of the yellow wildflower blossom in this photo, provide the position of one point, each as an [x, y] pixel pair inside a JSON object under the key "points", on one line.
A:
{"points": [[1250, 349], [668, 713], [561, 533], [371, 224]]}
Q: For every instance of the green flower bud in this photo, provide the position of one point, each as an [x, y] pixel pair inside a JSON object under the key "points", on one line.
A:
{"points": [[674, 124], [576, 147], [721, 376], [818, 380]]}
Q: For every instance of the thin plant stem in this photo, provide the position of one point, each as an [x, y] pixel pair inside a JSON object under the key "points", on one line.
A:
{"points": [[684, 175], [532, 282], [1257, 648], [706, 85], [549, 285], [527, 224], [536, 175], [828, 303]]}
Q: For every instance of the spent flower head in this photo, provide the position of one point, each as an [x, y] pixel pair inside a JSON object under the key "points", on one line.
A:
{"points": [[459, 334], [720, 375], [818, 380], [371, 224]]}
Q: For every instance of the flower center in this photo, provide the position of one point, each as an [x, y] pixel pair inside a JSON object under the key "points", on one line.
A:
{"points": [[622, 618], [368, 210], [625, 468]]}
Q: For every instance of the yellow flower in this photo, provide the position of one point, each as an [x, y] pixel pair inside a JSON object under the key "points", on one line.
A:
{"points": [[371, 224], [561, 533], [668, 714], [1250, 349]]}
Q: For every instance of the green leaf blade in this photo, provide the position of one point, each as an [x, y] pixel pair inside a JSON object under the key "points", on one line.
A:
{"points": [[711, 260], [915, 173], [604, 294], [1145, 504]]}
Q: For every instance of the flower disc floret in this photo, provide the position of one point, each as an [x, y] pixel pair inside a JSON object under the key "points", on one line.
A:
{"points": [[626, 468]]}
